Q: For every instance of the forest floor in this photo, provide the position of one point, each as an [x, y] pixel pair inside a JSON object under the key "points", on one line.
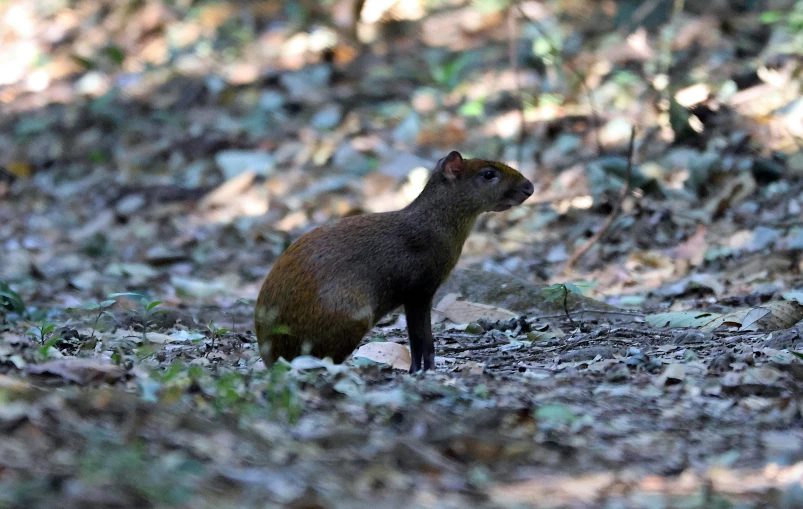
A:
{"points": [[157, 157]]}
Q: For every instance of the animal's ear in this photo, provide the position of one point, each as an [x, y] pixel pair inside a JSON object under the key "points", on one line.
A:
{"points": [[451, 166]]}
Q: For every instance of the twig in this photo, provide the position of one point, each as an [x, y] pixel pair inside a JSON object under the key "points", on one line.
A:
{"points": [[614, 213], [472, 347], [621, 312], [566, 305]]}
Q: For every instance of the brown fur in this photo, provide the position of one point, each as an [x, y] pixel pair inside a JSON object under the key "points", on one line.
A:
{"points": [[329, 288]]}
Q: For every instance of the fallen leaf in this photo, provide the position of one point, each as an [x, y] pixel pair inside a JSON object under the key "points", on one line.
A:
{"points": [[681, 319], [472, 368], [80, 371], [783, 314], [392, 354], [159, 338], [693, 249], [19, 168], [464, 312], [438, 311], [673, 374]]}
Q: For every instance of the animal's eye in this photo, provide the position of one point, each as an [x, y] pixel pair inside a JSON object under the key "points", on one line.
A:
{"points": [[489, 175]]}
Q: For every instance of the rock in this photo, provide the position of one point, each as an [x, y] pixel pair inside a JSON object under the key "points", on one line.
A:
{"points": [[234, 162], [130, 204], [795, 164], [271, 100], [794, 240], [588, 353], [93, 83], [307, 85], [701, 168], [557, 254], [615, 132], [767, 170], [400, 164], [763, 237], [136, 273], [426, 100], [564, 144], [512, 293], [351, 160], [407, 131], [474, 328], [327, 117], [16, 264], [198, 288]]}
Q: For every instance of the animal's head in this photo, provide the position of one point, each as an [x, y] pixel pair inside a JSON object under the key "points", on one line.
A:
{"points": [[489, 185]]}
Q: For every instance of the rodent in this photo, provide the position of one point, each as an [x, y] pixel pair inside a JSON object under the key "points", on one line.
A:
{"points": [[332, 285]]}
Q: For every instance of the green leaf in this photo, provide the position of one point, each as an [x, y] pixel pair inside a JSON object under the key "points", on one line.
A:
{"points": [[152, 305], [115, 54], [798, 355], [770, 17], [97, 156], [542, 47], [10, 300], [554, 292], [195, 371], [108, 303], [473, 108], [681, 319], [84, 62], [44, 348], [572, 288], [555, 415]]}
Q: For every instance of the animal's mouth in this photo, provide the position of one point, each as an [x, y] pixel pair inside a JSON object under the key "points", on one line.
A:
{"points": [[502, 206], [514, 197]]}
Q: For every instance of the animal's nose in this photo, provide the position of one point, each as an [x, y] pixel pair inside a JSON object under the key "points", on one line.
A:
{"points": [[527, 188]]}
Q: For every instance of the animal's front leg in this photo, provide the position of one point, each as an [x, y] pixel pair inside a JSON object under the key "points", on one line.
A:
{"points": [[419, 329]]}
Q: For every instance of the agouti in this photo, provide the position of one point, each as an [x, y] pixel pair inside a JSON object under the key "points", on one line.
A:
{"points": [[331, 286]]}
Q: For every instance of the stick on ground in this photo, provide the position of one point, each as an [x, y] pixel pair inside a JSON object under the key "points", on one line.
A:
{"points": [[575, 257]]}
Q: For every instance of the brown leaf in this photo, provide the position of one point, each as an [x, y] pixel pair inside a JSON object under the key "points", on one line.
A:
{"points": [[81, 371], [465, 312], [693, 249], [392, 354], [783, 314]]}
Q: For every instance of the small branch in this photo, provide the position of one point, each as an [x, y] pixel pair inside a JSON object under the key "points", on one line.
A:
{"points": [[566, 305], [449, 349], [573, 259]]}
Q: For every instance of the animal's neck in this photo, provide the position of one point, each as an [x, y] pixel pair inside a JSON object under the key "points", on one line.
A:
{"points": [[441, 208]]}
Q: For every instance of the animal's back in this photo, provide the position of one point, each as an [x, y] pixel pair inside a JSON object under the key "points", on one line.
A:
{"points": [[322, 283]]}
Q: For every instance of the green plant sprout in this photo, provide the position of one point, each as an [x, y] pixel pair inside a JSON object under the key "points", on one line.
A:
{"points": [[216, 333], [561, 290], [10, 301], [99, 310], [146, 313], [41, 333]]}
